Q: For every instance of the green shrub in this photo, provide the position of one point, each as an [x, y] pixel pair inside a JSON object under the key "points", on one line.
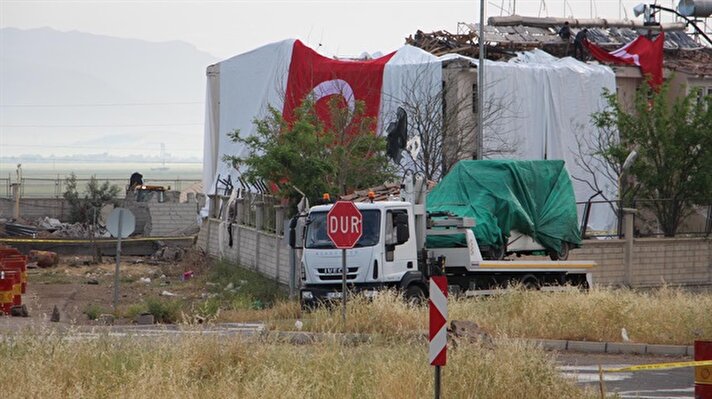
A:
{"points": [[93, 311], [165, 311]]}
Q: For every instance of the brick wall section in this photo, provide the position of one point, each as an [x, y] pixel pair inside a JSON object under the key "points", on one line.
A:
{"points": [[257, 250], [683, 261]]}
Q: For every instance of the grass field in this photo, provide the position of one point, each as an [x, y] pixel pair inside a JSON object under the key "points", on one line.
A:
{"points": [[58, 366], [664, 316]]}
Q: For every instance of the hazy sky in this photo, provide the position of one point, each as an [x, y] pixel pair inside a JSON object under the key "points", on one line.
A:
{"points": [[225, 28], [228, 27]]}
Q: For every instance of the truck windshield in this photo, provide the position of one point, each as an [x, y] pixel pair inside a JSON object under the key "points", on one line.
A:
{"points": [[317, 238]]}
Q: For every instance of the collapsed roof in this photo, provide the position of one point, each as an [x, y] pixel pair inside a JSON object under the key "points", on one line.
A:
{"points": [[504, 36]]}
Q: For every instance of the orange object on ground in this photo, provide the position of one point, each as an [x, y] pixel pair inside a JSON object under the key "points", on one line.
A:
{"points": [[5, 294], [703, 374]]}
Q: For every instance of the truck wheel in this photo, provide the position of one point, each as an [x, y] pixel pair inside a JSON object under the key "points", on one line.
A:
{"points": [[414, 294], [497, 253], [561, 255], [530, 282]]}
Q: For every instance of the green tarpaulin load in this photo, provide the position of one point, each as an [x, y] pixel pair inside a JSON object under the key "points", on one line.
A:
{"points": [[535, 198]]}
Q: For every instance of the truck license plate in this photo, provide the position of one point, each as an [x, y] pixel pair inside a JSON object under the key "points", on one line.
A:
{"points": [[333, 295]]}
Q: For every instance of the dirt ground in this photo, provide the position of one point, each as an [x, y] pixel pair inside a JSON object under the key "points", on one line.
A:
{"points": [[78, 284]]}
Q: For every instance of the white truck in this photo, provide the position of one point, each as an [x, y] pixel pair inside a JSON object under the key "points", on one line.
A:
{"points": [[392, 253]]}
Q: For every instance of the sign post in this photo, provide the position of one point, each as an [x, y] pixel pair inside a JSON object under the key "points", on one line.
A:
{"points": [[121, 223], [344, 227], [437, 304]]}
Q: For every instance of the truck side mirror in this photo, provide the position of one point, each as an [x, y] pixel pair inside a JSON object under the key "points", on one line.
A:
{"points": [[292, 232], [296, 232], [402, 233]]}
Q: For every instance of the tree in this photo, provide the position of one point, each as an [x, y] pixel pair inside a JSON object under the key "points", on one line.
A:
{"points": [[314, 156], [674, 146], [443, 120], [85, 209]]}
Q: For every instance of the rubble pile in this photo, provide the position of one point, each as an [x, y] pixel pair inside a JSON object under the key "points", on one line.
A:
{"points": [[443, 42], [54, 228]]}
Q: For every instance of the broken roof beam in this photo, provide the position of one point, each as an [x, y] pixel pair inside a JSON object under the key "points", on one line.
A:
{"points": [[550, 22]]}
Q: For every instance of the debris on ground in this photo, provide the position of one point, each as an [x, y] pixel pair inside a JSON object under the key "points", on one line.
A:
{"points": [[20, 230], [55, 315], [169, 254], [44, 259], [105, 319], [470, 331], [168, 293], [145, 319]]}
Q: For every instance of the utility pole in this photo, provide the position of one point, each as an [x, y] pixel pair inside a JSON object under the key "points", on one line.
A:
{"points": [[481, 86]]}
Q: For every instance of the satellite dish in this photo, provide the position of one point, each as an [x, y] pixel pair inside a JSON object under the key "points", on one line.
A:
{"points": [[397, 135], [127, 219]]}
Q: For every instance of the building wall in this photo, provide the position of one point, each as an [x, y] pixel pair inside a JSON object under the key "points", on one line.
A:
{"points": [[654, 262], [460, 81]]}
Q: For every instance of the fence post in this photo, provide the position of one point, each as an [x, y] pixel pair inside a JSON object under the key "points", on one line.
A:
{"points": [[628, 224], [16, 197], [279, 219], [239, 211], [278, 232], [259, 215]]}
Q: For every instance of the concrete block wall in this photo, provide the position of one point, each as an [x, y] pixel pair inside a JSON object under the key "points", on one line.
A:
{"points": [[261, 251], [609, 256], [170, 218], [655, 261], [686, 261], [33, 208]]}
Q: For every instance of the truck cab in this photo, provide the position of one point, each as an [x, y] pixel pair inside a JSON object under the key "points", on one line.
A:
{"points": [[385, 256]]}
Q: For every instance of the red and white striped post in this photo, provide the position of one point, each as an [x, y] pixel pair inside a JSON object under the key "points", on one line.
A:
{"points": [[437, 353]]}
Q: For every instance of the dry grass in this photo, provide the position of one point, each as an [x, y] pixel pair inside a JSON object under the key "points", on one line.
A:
{"points": [[53, 366], [663, 316]]}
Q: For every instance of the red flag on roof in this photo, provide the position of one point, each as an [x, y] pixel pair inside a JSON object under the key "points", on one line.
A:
{"points": [[643, 52]]}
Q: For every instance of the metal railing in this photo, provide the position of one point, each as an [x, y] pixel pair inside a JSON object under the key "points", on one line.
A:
{"points": [[605, 219], [34, 187]]}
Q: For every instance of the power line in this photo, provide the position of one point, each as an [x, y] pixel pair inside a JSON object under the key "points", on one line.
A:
{"points": [[95, 126], [96, 105]]}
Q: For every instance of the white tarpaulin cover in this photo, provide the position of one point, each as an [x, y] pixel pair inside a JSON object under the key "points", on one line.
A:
{"points": [[549, 102], [239, 90], [550, 99]]}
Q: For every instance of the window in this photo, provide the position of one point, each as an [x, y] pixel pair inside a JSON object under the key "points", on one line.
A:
{"points": [[317, 237], [391, 217]]}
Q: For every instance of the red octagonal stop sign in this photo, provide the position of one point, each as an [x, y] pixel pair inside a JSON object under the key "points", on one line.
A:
{"points": [[344, 224]]}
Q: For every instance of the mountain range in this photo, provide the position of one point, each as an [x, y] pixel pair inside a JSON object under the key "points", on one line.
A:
{"points": [[73, 92]]}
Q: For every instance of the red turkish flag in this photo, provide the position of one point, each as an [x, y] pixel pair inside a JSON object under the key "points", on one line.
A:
{"points": [[311, 74], [643, 52]]}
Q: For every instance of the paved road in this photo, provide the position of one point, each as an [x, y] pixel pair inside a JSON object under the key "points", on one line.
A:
{"points": [[654, 384]]}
